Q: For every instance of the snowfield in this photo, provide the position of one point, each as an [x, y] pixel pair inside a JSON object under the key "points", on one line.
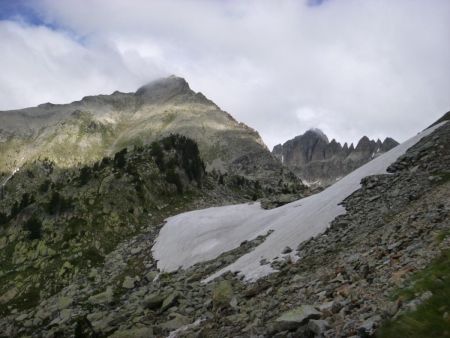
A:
{"points": [[201, 235]]}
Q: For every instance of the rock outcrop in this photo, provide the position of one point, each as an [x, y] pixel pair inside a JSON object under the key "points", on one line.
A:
{"points": [[318, 161]]}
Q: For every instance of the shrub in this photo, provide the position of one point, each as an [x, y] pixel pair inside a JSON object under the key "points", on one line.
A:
{"points": [[105, 162], [34, 227], [14, 210], [3, 218], [43, 188], [58, 204], [221, 179], [119, 158], [174, 178], [26, 200], [157, 152], [85, 175]]}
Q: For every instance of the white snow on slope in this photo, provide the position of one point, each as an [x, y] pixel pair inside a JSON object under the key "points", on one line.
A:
{"points": [[10, 176], [201, 235]]}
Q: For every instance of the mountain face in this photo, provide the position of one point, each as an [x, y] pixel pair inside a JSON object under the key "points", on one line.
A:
{"points": [[83, 254], [60, 223], [85, 131], [316, 160]]}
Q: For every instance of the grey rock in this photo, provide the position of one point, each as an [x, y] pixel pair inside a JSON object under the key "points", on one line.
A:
{"points": [[367, 328], [169, 301], [153, 301], [103, 297], [296, 317], [319, 327], [139, 332], [128, 282], [175, 323], [286, 250], [320, 162]]}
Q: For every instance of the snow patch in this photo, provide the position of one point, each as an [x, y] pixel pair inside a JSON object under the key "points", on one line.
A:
{"points": [[10, 176], [201, 235]]}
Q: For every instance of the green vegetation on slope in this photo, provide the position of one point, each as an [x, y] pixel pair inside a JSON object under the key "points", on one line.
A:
{"points": [[59, 223], [432, 317], [56, 223]]}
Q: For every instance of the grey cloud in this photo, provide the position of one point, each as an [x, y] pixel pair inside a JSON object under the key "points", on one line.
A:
{"points": [[349, 67]]}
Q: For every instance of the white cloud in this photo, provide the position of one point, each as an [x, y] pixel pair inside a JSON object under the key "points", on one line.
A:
{"points": [[351, 67]]}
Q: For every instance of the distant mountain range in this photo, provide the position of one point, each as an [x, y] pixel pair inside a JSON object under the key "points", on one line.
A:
{"points": [[318, 161]]}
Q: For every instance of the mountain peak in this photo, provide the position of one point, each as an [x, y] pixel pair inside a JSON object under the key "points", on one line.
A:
{"points": [[318, 132], [163, 88], [314, 159]]}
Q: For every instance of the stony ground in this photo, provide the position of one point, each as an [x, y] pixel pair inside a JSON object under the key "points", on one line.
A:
{"points": [[343, 283]]}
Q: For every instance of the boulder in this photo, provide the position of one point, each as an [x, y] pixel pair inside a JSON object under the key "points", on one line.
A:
{"points": [[128, 282], [297, 317], [64, 302], [169, 301], [175, 323], [103, 297], [286, 250], [8, 295], [222, 294], [367, 328], [153, 301], [318, 327], [138, 332]]}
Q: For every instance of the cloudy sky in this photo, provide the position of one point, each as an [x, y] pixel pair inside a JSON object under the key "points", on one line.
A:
{"points": [[350, 67]]}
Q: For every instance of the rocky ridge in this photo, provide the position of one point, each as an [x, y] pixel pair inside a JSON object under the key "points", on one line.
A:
{"points": [[83, 132], [341, 285], [320, 162]]}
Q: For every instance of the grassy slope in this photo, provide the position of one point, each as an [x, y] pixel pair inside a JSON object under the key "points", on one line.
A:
{"points": [[432, 317]]}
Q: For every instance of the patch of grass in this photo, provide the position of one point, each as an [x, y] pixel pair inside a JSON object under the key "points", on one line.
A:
{"points": [[30, 298], [168, 119], [94, 256], [444, 176], [442, 235], [431, 319]]}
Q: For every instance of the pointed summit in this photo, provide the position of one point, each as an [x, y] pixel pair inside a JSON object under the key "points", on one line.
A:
{"points": [[388, 144], [317, 132], [163, 89]]}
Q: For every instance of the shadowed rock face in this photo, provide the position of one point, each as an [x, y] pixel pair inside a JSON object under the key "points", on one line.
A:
{"points": [[85, 131], [316, 160]]}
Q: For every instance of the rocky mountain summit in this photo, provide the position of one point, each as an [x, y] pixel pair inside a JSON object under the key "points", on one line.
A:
{"points": [[83, 132], [318, 161]]}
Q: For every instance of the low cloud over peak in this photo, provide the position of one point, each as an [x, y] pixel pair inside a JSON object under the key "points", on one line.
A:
{"points": [[350, 68]]}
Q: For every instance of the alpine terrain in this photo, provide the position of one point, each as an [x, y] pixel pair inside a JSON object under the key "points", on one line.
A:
{"points": [[157, 214], [85, 131], [320, 162]]}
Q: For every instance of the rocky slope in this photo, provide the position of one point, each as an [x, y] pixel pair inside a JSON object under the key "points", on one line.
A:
{"points": [[344, 283], [318, 161], [96, 126], [60, 224]]}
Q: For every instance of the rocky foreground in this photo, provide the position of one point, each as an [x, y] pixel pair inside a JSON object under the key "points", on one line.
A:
{"points": [[343, 284]]}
